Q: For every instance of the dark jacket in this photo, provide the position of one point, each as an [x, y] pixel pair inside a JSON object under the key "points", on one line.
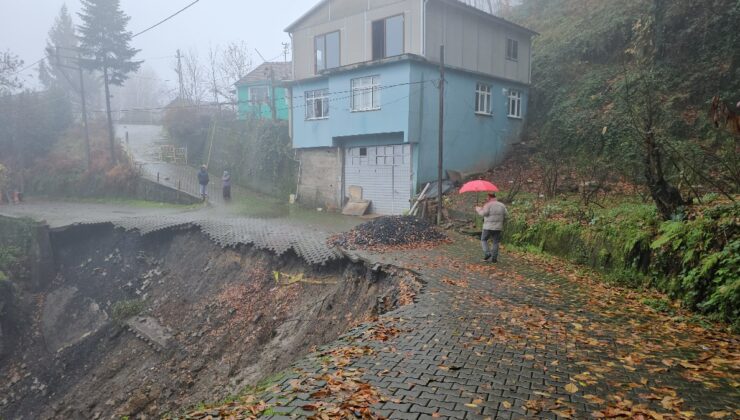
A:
{"points": [[203, 177]]}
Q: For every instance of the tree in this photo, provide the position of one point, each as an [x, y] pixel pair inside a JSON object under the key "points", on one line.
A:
{"points": [[104, 42], [193, 83], [10, 64], [236, 62], [58, 70]]}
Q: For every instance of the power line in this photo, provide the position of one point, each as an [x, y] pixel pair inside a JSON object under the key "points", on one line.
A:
{"points": [[165, 19], [28, 66], [293, 106]]}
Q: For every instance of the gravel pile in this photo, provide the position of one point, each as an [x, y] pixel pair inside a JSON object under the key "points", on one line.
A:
{"points": [[389, 231]]}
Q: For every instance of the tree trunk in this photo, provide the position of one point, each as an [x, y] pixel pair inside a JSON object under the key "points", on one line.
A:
{"points": [[667, 198]]}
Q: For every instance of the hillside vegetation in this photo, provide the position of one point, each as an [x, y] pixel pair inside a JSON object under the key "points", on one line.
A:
{"points": [[624, 89], [621, 111]]}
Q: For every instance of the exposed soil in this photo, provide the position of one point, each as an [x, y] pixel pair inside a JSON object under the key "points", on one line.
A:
{"points": [[228, 317]]}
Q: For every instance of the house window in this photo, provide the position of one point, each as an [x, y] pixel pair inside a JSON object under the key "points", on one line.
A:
{"points": [[515, 103], [387, 37], [512, 49], [483, 99], [365, 93], [259, 95], [326, 51], [317, 104]]}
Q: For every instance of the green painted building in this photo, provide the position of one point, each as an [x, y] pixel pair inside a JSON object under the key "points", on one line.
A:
{"points": [[255, 92]]}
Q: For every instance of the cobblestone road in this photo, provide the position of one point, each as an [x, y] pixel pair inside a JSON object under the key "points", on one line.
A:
{"points": [[516, 341]]}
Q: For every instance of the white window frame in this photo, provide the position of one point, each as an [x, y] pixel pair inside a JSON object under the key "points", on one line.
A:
{"points": [[514, 104], [263, 99], [325, 65], [483, 99], [512, 49], [318, 97], [365, 93]]}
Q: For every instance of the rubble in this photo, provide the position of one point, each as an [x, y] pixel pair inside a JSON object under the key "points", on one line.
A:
{"points": [[390, 231]]}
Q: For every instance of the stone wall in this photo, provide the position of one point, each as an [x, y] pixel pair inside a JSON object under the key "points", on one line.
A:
{"points": [[320, 178]]}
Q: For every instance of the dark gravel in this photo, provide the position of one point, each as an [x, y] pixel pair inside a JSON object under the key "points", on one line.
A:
{"points": [[389, 231]]}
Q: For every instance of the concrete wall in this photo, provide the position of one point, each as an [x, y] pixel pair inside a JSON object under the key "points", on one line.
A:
{"points": [[320, 177], [472, 142], [342, 121], [151, 191], [475, 42], [353, 18]]}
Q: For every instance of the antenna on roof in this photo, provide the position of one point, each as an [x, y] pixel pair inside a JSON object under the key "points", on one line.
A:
{"points": [[258, 53]]}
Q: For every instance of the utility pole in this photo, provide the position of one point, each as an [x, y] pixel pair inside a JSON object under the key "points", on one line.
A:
{"points": [[179, 75], [83, 98], [272, 94], [84, 112], [285, 51], [111, 135], [441, 130]]}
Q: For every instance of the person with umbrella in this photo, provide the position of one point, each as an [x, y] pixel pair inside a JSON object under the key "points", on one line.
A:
{"points": [[494, 215]]}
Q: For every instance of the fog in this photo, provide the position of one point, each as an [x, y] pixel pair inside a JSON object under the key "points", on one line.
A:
{"points": [[24, 25]]}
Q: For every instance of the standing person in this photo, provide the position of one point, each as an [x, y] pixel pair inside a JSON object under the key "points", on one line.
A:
{"points": [[494, 214], [226, 181], [203, 181]]}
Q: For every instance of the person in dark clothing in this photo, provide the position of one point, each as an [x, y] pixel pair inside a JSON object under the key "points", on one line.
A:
{"points": [[203, 181], [226, 182]]}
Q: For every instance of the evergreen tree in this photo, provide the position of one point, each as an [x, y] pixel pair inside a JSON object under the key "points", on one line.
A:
{"points": [[58, 70], [104, 42]]}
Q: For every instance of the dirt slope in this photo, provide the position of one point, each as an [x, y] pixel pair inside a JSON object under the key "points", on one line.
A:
{"points": [[137, 325]]}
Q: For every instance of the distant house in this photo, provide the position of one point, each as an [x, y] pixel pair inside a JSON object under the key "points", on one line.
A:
{"points": [[255, 91], [366, 114]]}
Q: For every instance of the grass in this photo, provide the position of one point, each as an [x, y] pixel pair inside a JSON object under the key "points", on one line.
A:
{"points": [[130, 202]]}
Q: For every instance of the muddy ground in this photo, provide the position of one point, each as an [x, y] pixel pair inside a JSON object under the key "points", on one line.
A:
{"points": [[142, 326]]}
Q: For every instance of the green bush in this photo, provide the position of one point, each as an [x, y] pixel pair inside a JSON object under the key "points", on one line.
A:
{"points": [[125, 309], [698, 261]]}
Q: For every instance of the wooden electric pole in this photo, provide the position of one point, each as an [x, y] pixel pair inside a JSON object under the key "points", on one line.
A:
{"points": [[83, 98], [84, 113], [272, 93], [441, 131], [111, 134], [179, 75]]}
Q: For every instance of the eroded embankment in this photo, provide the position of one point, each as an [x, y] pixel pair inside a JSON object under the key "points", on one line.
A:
{"points": [[145, 325]]}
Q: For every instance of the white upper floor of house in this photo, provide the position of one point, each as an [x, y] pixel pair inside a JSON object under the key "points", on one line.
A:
{"points": [[340, 33]]}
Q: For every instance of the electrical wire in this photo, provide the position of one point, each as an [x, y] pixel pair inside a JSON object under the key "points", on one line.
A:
{"points": [[165, 19]]}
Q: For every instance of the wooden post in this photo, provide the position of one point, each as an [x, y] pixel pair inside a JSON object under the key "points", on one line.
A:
{"points": [[441, 131], [272, 94], [111, 136], [84, 113]]}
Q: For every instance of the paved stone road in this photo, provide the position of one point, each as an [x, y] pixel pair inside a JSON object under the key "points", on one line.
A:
{"points": [[512, 341], [277, 235]]}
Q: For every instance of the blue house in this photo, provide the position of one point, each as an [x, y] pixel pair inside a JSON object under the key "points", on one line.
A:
{"points": [[366, 99]]}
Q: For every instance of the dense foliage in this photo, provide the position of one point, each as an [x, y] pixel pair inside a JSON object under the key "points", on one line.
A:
{"points": [[695, 261], [257, 152], [622, 90]]}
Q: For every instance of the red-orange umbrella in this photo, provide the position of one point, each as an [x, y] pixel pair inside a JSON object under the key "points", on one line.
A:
{"points": [[478, 186]]}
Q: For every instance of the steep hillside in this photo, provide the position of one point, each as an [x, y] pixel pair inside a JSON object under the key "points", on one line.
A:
{"points": [[608, 74]]}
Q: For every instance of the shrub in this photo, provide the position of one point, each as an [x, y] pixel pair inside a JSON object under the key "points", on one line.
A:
{"points": [[125, 309]]}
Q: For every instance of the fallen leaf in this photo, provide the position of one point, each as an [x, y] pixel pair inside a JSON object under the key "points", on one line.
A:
{"points": [[719, 414], [506, 404], [571, 388]]}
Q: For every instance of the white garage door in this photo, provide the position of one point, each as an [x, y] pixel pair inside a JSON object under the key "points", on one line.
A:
{"points": [[384, 173]]}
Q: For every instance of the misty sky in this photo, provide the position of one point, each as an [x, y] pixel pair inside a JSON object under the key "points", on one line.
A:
{"points": [[24, 25]]}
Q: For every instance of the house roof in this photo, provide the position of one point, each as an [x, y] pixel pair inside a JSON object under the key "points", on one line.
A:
{"points": [[283, 71], [458, 3]]}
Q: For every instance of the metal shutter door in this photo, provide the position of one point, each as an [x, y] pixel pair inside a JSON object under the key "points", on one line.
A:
{"points": [[384, 173]]}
